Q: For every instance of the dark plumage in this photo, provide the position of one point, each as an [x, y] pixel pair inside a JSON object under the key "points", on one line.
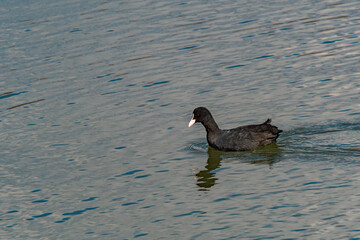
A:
{"points": [[237, 139]]}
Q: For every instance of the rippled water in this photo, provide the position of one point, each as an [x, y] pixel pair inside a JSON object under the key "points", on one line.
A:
{"points": [[95, 97]]}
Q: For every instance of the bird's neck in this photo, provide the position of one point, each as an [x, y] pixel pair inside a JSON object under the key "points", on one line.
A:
{"points": [[211, 126]]}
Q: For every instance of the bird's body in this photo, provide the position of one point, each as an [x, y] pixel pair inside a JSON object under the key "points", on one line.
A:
{"points": [[237, 139]]}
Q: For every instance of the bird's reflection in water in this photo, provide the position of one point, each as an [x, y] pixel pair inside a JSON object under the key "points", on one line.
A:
{"points": [[263, 156]]}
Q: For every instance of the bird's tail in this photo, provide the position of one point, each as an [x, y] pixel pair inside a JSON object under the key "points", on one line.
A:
{"points": [[268, 121], [274, 129]]}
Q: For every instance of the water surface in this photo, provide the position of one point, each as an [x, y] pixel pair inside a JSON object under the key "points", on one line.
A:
{"points": [[95, 98]]}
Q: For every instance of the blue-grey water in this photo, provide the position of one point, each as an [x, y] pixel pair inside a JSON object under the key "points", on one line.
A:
{"points": [[95, 98]]}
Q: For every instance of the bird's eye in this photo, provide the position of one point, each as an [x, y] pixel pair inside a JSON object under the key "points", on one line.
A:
{"points": [[197, 114]]}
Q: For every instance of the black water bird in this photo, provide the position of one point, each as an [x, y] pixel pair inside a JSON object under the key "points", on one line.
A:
{"points": [[237, 139]]}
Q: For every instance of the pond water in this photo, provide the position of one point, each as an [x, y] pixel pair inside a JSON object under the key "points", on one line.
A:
{"points": [[95, 98]]}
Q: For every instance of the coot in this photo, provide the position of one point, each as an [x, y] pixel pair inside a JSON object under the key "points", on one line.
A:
{"points": [[237, 139]]}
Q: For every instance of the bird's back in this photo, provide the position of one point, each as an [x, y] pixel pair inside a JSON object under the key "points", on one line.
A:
{"points": [[245, 137]]}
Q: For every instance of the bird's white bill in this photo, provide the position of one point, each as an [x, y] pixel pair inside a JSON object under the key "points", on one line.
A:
{"points": [[192, 121]]}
